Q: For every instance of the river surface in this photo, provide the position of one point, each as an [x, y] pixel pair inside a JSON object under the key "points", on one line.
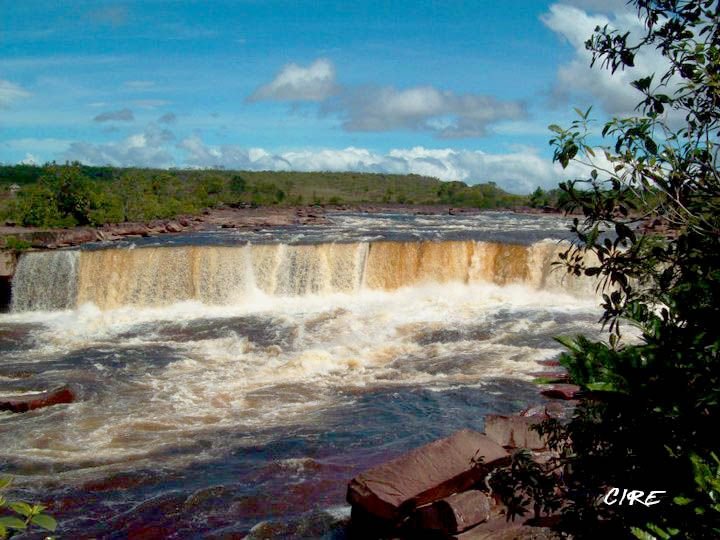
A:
{"points": [[232, 383]]}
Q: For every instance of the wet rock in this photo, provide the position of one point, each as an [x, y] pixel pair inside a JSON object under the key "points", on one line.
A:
{"points": [[434, 471], [515, 431], [562, 391], [549, 363], [454, 514], [18, 404]]}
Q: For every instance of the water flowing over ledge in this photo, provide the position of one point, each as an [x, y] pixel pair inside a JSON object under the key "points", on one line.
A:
{"points": [[227, 275]]}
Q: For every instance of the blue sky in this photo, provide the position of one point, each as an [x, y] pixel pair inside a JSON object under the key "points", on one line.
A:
{"points": [[458, 90]]}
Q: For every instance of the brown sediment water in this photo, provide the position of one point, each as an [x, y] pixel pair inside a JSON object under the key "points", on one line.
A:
{"points": [[225, 275]]}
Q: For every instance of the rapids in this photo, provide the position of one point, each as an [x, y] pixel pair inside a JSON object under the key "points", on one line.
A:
{"points": [[229, 383]]}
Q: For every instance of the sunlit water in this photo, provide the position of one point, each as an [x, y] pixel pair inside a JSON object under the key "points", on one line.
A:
{"points": [[238, 385]]}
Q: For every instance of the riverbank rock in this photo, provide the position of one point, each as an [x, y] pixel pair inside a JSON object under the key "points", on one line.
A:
{"points": [[515, 431], [562, 391], [454, 514], [18, 404], [392, 490]]}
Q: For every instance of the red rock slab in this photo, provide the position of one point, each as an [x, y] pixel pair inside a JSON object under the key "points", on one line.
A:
{"points": [[434, 471], [552, 409], [455, 513], [515, 431], [562, 391], [554, 376], [549, 363], [18, 404]]}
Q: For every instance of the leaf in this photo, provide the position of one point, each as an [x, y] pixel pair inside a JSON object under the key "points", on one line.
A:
{"points": [[557, 129], [642, 535], [604, 387], [11, 522], [22, 508], [5, 482], [46, 522]]}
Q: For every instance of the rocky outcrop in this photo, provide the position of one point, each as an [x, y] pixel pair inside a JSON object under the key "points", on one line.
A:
{"points": [[515, 431], [454, 514], [392, 490], [24, 403], [562, 391]]}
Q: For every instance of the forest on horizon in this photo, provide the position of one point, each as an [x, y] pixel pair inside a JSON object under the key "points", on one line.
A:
{"points": [[74, 194]]}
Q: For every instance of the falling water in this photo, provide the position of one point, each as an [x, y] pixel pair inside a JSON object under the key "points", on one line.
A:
{"points": [[227, 275]]}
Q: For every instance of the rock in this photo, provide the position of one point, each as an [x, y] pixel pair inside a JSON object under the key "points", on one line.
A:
{"points": [[184, 222], [562, 391], [509, 531], [552, 409], [549, 363], [434, 471], [515, 431], [8, 262], [454, 514], [18, 404], [173, 227], [552, 376]]}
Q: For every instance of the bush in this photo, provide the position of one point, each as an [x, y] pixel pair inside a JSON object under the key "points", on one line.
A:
{"points": [[649, 417]]}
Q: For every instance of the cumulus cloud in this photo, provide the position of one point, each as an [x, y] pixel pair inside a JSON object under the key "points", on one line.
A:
{"points": [[123, 115], [444, 113], [520, 171], [10, 92], [149, 148], [612, 91], [423, 108], [315, 82], [167, 118]]}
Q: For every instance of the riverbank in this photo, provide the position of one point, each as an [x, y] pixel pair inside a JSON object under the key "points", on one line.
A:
{"points": [[16, 238]]}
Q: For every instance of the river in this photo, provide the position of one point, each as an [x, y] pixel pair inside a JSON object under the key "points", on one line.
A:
{"points": [[230, 383]]}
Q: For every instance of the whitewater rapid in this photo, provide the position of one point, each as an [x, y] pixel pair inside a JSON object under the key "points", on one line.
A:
{"points": [[256, 370]]}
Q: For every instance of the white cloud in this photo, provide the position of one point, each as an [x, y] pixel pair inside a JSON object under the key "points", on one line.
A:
{"points": [[30, 159], [425, 108], [612, 91], [520, 171], [10, 92], [149, 149], [315, 82]]}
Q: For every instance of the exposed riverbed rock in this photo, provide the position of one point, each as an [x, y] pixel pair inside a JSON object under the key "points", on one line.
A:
{"points": [[454, 514], [18, 404], [392, 490], [562, 391], [515, 431]]}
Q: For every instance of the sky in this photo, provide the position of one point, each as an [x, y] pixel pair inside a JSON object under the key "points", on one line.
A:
{"points": [[460, 90]]}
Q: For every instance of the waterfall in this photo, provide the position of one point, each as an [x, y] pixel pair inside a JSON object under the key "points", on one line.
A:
{"points": [[115, 277], [45, 281]]}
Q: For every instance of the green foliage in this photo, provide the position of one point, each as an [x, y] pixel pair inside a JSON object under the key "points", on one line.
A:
{"points": [[16, 244], [18, 517], [75, 194], [522, 483], [649, 417]]}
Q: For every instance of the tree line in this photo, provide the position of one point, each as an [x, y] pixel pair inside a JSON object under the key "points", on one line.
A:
{"points": [[64, 195]]}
